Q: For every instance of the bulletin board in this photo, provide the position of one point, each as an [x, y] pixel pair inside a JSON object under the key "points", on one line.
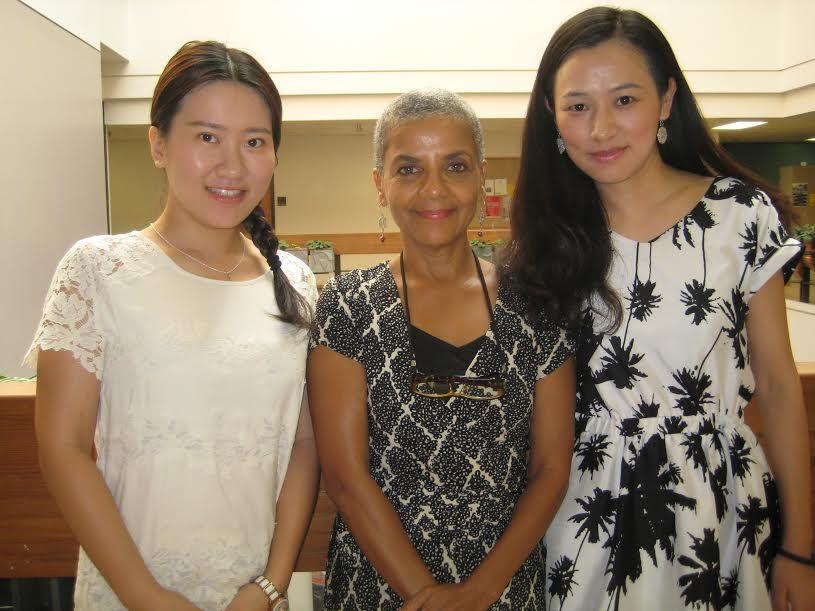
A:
{"points": [[502, 173]]}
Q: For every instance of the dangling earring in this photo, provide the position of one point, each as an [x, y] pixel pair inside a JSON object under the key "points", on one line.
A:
{"points": [[382, 222], [561, 146], [482, 212], [662, 133]]}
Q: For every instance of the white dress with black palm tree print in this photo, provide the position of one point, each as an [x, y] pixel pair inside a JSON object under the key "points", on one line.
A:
{"points": [[671, 503], [454, 468]]}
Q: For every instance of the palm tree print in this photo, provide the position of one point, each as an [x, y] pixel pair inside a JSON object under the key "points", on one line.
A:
{"points": [[598, 514], [642, 298], [561, 578], [647, 409], [740, 459], [672, 425], [701, 586], [692, 390], [619, 364], [766, 551], [736, 312], [644, 514], [730, 589], [752, 516], [699, 300], [776, 241], [741, 192], [699, 216], [592, 454], [750, 244]]}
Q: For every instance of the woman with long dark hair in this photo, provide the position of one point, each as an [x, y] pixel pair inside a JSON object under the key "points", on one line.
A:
{"points": [[178, 354], [626, 210]]}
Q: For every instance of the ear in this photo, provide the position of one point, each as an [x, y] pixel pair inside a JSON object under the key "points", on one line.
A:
{"points": [[377, 176], [668, 99], [157, 147]]}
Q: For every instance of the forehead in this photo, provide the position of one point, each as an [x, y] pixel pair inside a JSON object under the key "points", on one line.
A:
{"points": [[430, 135], [605, 65], [225, 102]]}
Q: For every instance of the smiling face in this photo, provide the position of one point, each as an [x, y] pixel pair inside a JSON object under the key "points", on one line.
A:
{"points": [[218, 154], [431, 180], [607, 109]]}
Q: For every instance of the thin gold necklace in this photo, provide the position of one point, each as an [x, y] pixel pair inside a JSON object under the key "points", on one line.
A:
{"points": [[227, 273]]}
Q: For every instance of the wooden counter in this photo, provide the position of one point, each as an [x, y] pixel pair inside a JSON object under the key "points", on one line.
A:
{"points": [[36, 542]]}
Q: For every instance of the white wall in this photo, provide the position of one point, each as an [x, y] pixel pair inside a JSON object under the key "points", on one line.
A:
{"points": [[335, 60], [52, 165]]}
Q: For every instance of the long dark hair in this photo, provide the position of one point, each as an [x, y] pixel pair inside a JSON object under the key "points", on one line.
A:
{"points": [[561, 247], [195, 64]]}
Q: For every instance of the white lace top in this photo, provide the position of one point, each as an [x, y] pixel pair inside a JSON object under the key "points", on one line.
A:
{"points": [[201, 389]]}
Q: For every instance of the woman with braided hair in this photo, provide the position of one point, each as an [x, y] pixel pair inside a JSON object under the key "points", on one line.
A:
{"points": [[179, 352]]}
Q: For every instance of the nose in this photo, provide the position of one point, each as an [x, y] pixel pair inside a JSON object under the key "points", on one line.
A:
{"points": [[433, 184], [603, 125], [232, 162]]}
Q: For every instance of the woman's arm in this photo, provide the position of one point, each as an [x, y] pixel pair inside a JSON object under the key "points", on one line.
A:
{"points": [[65, 420], [779, 397], [552, 433], [295, 507], [337, 391]]}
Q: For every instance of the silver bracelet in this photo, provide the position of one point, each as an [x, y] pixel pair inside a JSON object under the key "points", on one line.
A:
{"points": [[270, 590]]}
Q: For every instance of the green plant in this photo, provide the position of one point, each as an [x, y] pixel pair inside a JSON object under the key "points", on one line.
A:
{"points": [[319, 244], [283, 245], [16, 379], [804, 233], [498, 243], [476, 243]]}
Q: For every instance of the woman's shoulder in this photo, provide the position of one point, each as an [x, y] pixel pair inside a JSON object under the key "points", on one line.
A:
{"points": [[107, 254], [297, 271], [359, 281], [735, 190]]}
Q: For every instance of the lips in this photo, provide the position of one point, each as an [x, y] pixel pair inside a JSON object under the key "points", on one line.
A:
{"points": [[438, 214], [607, 155], [226, 196]]}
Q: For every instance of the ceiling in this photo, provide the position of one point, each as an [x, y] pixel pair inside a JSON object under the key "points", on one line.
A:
{"points": [[787, 129]]}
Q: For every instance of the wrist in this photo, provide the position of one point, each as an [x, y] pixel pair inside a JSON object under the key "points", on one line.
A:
{"points": [[800, 546], [484, 586]]}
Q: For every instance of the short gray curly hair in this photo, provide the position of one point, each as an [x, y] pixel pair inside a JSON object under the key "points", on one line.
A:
{"points": [[420, 104]]}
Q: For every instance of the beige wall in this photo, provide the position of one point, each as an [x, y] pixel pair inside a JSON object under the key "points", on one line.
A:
{"points": [[52, 164], [136, 186]]}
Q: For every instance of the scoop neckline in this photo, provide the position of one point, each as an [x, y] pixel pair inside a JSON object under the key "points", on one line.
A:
{"points": [[177, 268], [670, 228]]}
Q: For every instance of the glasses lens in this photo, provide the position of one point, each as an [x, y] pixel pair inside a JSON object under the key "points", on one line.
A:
{"points": [[481, 392], [432, 388]]}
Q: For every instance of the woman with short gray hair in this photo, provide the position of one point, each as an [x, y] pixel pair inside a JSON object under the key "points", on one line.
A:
{"points": [[443, 413]]}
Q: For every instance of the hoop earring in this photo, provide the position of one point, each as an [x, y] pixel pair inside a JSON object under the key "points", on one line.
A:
{"points": [[561, 145], [662, 132], [382, 223]]}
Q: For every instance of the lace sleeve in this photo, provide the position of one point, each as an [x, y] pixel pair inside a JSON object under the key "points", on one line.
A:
{"points": [[68, 321]]}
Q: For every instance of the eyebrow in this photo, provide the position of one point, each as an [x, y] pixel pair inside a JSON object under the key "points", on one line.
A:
{"points": [[576, 94], [404, 157], [211, 125]]}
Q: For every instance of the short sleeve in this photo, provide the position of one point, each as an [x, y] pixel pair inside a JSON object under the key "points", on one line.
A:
{"points": [[69, 320], [554, 346], [773, 247], [334, 326]]}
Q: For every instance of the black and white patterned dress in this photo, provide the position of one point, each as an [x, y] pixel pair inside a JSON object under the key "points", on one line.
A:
{"points": [[454, 468], [671, 503]]}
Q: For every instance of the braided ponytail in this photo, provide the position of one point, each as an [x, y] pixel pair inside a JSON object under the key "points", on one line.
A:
{"points": [[293, 307]]}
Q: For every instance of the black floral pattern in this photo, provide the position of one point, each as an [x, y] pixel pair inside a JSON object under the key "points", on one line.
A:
{"points": [[664, 466]]}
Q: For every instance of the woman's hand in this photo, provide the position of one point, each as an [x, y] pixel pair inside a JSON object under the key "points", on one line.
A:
{"points": [[449, 597], [793, 585], [249, 598]]}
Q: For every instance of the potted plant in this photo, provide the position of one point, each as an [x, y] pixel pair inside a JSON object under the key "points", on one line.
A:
{"points": [[293, 249], [320, 256], [806, 235], [481, 248], [497, 250]]}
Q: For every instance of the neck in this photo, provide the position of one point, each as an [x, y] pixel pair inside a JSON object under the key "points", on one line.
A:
{"points": [[184, 232], [449, 264], [641, 192]]}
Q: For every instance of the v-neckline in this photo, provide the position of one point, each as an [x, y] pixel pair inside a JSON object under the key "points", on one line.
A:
{"points": [[405, 327]]}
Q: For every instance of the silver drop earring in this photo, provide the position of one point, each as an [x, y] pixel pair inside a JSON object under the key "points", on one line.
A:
{"points": [[561, 145], [382, 223], [662, 133]]}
